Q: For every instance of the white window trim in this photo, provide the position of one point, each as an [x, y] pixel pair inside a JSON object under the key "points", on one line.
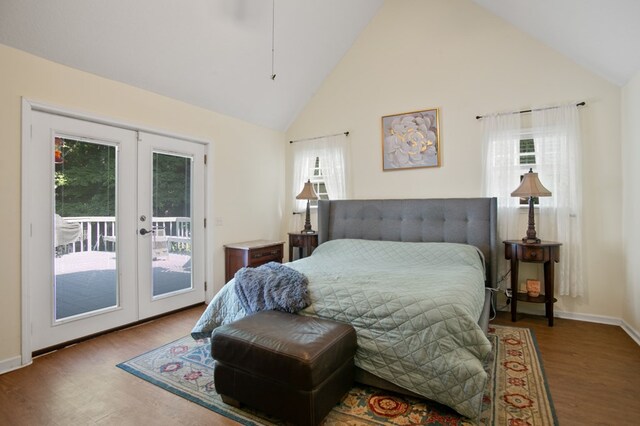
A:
{"points": [[316, 181], [524, 168]]}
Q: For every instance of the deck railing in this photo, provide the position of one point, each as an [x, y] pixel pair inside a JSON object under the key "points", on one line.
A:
{"points": [[99, 232]]}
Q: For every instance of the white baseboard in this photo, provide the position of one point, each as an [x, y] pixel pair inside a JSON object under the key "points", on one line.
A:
{"points": [[631, 332], [601, 319], [10, 364]]}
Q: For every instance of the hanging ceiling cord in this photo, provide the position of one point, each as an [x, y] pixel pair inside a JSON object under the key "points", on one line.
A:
{"points": [[273, 38]]}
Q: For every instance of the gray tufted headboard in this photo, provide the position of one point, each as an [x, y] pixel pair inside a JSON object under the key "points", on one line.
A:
{"points": [[454, 220]]}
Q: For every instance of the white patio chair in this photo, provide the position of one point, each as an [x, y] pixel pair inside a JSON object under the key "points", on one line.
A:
{"points": [[65, 233], [160, 244]]}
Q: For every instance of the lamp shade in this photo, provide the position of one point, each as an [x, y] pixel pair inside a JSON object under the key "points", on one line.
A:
{"points": [[308, 192], [531, 187]]}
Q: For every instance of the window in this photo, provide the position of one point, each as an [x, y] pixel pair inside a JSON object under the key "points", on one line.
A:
{"points": [[527, 161], [324, 162], [318, 182], [527, 152], [555, 154]]}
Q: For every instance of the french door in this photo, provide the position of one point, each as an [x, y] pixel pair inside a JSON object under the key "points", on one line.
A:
{"points": [[116, 227], [170, 224]]}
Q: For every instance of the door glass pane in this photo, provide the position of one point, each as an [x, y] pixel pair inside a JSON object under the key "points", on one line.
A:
{"points": [[171, 239], [85, 276]]}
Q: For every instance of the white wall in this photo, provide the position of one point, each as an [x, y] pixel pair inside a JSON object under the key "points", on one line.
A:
{"points": [[631, 197], [248, 163], [454, 55]]}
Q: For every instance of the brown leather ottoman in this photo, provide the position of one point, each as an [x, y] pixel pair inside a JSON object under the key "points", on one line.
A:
{"points": [[289, 366]]}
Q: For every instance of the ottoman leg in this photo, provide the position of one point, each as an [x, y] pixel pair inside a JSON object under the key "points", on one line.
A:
{"points": [[231, 401]]}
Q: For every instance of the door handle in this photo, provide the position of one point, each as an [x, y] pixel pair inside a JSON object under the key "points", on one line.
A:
{"points": [[146, 231]]}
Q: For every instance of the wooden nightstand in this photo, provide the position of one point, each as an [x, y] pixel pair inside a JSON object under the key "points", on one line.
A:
{"points": [[546, 252], [305, 243], [250, 253]]}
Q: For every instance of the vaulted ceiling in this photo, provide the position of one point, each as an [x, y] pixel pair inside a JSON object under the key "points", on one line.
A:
{"points": [[217, 54], [601, 35]]}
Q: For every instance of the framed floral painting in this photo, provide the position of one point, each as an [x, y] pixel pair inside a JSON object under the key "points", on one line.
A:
{"points": [[411, 140]]}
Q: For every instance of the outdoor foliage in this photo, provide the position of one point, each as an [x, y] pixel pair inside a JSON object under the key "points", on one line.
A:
{"points": [[85, 181], [171, 186]]}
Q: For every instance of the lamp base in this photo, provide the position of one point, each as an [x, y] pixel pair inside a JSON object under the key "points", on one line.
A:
{"points": [[307, 222], [531, 240], [531, 237]]}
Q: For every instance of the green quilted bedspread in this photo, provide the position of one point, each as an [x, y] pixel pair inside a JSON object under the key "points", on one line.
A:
{"points": [[414, 307]]}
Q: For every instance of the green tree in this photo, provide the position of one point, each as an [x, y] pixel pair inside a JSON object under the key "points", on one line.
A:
{"points": [[86, 181], [171, 185]]}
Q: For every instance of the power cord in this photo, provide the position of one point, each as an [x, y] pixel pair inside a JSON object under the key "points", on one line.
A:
{"points": [[503, 278], [493, 308], [498, 289]]}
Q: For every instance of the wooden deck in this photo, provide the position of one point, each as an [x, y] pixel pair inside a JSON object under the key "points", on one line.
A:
{"points": [[87, 281]]}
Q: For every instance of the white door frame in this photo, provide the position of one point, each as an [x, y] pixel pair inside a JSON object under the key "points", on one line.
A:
{"points": [[28, 107]]}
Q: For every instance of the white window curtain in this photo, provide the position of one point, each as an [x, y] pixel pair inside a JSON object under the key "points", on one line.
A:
{"points": [[304, 156], [334, 159], [559, 159], [333, 152], [501, 151]]}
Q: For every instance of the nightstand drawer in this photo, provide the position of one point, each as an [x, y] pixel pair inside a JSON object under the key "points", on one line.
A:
{"points": [[264, 255], [251, 253], [533, 254]]}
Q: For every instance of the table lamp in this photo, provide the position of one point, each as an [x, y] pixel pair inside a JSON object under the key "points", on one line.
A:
{"points": [[307, 194], [530, 187]]}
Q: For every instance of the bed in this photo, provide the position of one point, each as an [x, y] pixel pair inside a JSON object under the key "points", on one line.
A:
{"points": [[410, 276]]}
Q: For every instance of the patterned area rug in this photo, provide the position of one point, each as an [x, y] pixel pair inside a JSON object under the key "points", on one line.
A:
{"points": [[517, 393]]}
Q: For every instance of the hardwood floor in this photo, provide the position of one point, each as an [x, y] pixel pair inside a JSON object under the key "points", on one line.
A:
{"points": [[80, 385], [593, 372]]}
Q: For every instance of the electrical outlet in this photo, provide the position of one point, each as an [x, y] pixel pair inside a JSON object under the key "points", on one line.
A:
{"points": [[507, 293]]}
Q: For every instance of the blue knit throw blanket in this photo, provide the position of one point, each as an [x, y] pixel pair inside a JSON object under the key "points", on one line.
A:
{"points": [[272, 286]]}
